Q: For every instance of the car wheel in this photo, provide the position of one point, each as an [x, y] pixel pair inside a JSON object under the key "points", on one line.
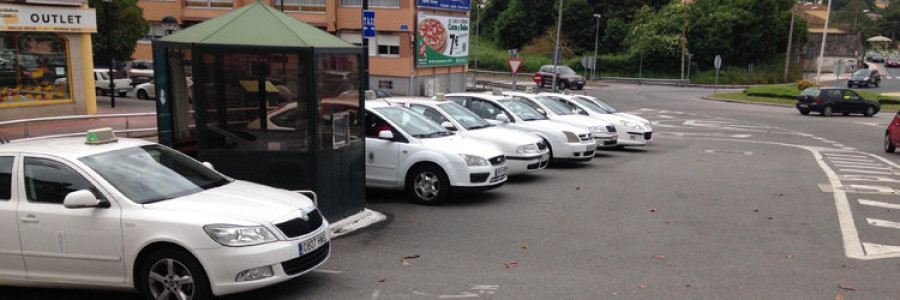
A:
{"points": [[428, 184], [870, 111], [142, 94], [100, 92], [888, 144], [561, 85], [826, 111], [580, 87], [804, 111], [122, 94], [170, 273]]}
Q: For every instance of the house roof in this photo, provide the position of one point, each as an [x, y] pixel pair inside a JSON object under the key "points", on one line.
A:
{"points": [[257, 24]]}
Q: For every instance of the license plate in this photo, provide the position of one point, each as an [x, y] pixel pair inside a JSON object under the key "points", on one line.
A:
{"points": [[500, 172], [804, 105], [313, 243]]}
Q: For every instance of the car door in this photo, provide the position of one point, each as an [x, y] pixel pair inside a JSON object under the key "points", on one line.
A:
{"points": [[66, 244], [854, 102], [382, 156], [835, 99], [895, 127], [12, 264]]}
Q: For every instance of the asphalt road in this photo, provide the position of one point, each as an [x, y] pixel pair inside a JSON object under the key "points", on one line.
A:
{"points": [[890, 80], [731, 201]]}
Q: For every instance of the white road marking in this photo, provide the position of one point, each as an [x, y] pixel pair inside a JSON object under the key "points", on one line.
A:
{"points": [[859, 163], [880, 251], [326, 271], [876, 167], [873, 124], [867, 189], [714, 134], [845, 155], [849, 159], [878, 204], [866, 171], [868, 178], [460, 296], [883, 223], [730, 152]]}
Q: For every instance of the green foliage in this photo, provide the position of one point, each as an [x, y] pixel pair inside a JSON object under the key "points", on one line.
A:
{"points": [[492, 57], [510, 30], [578, 24], [612, 38], [128, 25]]}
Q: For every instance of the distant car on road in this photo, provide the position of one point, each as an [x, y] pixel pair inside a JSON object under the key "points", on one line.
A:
{"points": [[892, 62], [828, 101], [566, 78], [864, 77], [875, 57], [102, 82], [892, 135], [135, 68]]}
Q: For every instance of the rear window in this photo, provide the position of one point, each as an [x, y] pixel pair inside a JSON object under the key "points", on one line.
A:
{"points": [[810, 92]]}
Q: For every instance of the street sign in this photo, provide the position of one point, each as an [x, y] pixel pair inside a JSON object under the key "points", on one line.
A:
{"points": [[718, 62], [537, 78], [514, 65], [368, 24], [838, 68], [513, 53], [588, 62]]}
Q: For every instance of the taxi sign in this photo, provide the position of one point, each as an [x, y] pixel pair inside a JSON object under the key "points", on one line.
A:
{"points": [[101, 136]]}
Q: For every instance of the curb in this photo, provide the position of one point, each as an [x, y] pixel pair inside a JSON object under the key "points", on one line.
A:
{"points": [[361, 220], [710, 98]]}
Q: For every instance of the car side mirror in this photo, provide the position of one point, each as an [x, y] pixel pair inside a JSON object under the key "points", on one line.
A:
{"points": [[448, 125], [498, 123], [502, 118], [541, 110], [386, 135], [208, 165], [81, 199]]}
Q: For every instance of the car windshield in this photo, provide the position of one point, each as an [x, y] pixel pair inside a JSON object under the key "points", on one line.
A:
{"points": [[566, 70], [525, 112], [413, 123], [555, 107], [153, 173], [861, 73], [810, 92], [465, 117], [594, 102]]}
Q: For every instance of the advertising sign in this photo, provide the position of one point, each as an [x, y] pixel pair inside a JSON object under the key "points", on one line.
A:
{"points": [[457, 5], [442, 40], [50, 19]]}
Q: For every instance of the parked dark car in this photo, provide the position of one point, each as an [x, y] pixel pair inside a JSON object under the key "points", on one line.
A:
{"points": [[864, 77], [828, 101], [567, 78]]}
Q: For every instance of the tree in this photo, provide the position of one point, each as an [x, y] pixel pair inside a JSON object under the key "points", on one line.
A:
{"points": [[128, 25], [511, 29], [579, 24]]}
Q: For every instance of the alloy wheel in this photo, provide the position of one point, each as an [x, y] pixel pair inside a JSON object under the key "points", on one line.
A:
{"points": [[427, 185], [170, 279]]}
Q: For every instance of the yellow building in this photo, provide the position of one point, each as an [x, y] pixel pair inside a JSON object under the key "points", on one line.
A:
{"points": [[46, 61], [399, 61]]}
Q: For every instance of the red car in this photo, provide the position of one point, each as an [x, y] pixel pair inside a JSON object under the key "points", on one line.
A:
{"points": [[892, 135], [892, 62]]}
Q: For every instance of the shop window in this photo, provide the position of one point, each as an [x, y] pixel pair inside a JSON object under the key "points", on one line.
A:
{"points": [[339, 114], [300, 5], [209, 3], [372, 3], [33, 68], [386, 84]]}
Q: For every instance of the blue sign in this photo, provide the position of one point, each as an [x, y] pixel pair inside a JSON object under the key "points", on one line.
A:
{"points": [[368, 24], [459, 5]]}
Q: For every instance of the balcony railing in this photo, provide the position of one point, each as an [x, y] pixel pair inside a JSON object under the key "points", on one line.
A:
{"points": [[300, 5], [372, 3], [209, 3]]}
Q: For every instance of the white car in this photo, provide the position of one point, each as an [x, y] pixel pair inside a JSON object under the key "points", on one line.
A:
{"points": [[131, 214], [605, 107], [102, 83], [567, 142], [405, 150], [524, 152], [148, 90], [631, 132], [604, 132]]}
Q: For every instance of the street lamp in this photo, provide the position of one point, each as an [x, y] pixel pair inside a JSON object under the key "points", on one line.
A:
{"points": [[596, 38], [112, 61], [556, 48], [477, 22], [169, 24]]}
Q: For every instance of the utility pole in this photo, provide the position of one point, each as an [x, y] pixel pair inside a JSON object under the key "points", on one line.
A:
{"points": [[683, 38], [112, 61], [596, 38], [822, 49], [787, 54], [556, 48], [477, 22]]}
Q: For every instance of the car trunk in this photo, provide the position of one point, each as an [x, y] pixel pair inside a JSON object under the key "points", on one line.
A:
{"points": [[808, 97]]}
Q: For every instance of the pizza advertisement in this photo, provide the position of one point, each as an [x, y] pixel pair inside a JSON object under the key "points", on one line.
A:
{"points": [[442, 40]]}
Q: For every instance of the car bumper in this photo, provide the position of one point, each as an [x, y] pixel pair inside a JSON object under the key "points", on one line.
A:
{"points": [[574, 152], [224, 263], [810, 106], [527, 164], [478, 176], [606, 139], [635, 138]]}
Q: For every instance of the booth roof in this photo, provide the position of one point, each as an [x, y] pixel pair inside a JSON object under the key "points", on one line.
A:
{"points": [[257, 24]]}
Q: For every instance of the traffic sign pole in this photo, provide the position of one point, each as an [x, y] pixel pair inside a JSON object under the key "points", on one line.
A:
{"points": [[718, 64], [514, 65]]}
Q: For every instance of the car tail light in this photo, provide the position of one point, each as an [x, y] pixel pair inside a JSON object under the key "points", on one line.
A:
{"points": [[818, 100]]}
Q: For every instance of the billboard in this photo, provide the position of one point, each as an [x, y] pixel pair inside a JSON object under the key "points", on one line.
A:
{"points": [[47, 18], [457, 5], [442, 40]]}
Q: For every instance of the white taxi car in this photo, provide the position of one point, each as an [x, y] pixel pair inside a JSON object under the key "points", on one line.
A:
{"points": [[631, 132], [567, 143], [131, 214], [524, 152], [405, 150], [604, 132], [605, 107]]}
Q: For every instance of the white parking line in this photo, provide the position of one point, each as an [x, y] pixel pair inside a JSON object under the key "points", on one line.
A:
{"points": [[880, 167], [850, 159], [883, 223], [879, 204], [855, 177], [866, 171]]}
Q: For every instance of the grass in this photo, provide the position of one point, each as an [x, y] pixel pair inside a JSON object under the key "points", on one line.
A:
{"points": [[790, 92]]}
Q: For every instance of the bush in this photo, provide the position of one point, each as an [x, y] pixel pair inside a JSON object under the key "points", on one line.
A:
{"points": [[773, 90], [804, 84]]}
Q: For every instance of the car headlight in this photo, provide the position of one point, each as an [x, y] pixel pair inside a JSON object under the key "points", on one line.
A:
{"points": [[571, 137], [472, 160], [237, 236], [632, 125], [597, 129], [532, 148], [866, 79]]}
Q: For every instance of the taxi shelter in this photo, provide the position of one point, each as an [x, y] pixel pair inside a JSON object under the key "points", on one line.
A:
{"points": [[267, 98]]}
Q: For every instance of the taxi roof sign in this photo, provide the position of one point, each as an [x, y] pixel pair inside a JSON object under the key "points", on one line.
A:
{"points": [[497, 92], [101, 136]]}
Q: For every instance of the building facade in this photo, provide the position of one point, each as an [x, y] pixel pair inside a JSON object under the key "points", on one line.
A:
{"points": [[401, 61], [46, 61]]}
